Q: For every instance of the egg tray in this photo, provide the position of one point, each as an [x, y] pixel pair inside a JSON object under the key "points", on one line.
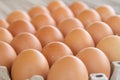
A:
{"points": [[4, 74]]}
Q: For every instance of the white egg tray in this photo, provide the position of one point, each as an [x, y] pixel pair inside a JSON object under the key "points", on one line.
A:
{"points": [[4, 75]]}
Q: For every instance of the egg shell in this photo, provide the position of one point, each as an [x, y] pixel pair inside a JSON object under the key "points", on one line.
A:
{"points": [[54, 4], [5, 35], [20, 26], [55, 50], [69, 24], [78, 39], [77, 7], [95, 60], [7, 55], [41, 20], [24, 41], [68, 68], [105, 11], [88, 16], [110, 45], [48, 33], [36, 10], [61, 13], [114, 23], [4, 23], [17, 14], [98, 30], [30, 62]]}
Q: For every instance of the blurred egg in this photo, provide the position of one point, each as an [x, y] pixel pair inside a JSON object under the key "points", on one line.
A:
{"points": [[55, 50], [78, 39], [77, 7], [68, 68], [88, 16], [4, 23], [41, 20], [30, 62], [105, 11], [69, 24], [48, 34], [24, 41], [114, 23], [95, 60], [17, 14], [5, 35], [21, 25], [36, 10], [55, 4], [61, 13], [98, 30], [7, 55], [110, 45]]}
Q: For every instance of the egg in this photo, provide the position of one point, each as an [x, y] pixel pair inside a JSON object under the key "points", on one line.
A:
{"points": [[105, 11], [69, 24], [48, 33], [24, 41], [68, 68], [95, 60], [43, 19], [36, 10], [20, 26], [88, 16], [7, 55], [55, 4], [17, 14], [110, 46], [55, 50], [4, 23], [98, 30], [5, 35], [77, 7], [30, 62], [78, 39], [61, 13], [114, 23]]}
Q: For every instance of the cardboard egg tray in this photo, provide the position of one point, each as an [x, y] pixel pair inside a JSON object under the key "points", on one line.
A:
{"points": [[7, 6]]}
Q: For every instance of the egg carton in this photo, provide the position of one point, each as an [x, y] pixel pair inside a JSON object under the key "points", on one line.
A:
{"points": [[4, 74]]}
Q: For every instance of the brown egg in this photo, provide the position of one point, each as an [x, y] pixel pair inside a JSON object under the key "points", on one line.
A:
{"points": [[77, 7], [21, 25], [54, 4], [55, 50], [114, 23], [110, 45], [24, 41], [78, 39], [95, 60], [48, 34], [105, 11], [61, 13], [68, 68], [17, 14], [7, 55], [88, 16], [5, 35], [69, 24], [36, 10], [98, 30], [43, 19], [30, 62], [4, 23]]}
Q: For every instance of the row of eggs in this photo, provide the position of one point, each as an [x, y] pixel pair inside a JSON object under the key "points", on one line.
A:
{"points": [[46, 45]]}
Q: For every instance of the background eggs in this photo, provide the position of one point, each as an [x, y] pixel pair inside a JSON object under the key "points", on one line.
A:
{"points": [[4, 23], [55, 50], [68, 68], [28, 63]]}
